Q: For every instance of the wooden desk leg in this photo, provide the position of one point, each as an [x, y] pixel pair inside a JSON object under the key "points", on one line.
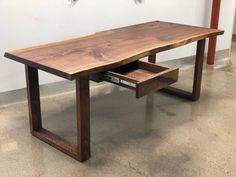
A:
{"points": [[81, 151], [152, 58], [33, 94], [197, 82], [83, 117], [195, 94]]}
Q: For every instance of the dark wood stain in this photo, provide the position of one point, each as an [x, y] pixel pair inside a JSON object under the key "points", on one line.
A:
{"points": [[112, 53], [81, 151], [83, 118], [33, 94], [196, 88], [109, 49]]}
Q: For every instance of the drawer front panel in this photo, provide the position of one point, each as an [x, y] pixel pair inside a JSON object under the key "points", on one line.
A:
{"points": [[157, 83]]}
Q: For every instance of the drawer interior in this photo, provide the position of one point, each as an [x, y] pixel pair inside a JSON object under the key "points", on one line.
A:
{"points": [[139, 71], [142, 77]]}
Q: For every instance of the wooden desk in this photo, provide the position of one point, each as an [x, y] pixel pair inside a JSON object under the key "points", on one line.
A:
{"points": [[108, 56]]}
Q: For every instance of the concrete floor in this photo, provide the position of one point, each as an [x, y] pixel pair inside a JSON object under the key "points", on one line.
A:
{"points": [[156, 136]]}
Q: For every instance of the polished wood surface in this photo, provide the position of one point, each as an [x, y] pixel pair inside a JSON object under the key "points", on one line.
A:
{"points": [[110, 49]]}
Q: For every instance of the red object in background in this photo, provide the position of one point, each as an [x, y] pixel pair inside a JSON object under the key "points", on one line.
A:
{"points": [[214, 24]]}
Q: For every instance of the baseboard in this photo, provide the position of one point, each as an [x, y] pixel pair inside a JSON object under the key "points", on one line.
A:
{"points": [[20, 95], [68, 86]]}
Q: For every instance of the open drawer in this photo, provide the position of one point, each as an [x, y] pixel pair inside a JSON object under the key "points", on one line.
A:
{"points": [[142, 77]]}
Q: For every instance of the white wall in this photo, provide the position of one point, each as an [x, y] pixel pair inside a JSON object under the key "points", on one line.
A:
{"points": [[26, 23]]}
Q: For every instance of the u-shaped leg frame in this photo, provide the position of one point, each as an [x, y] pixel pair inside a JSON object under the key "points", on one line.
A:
{"points": [[81, 151], [196, 89]]}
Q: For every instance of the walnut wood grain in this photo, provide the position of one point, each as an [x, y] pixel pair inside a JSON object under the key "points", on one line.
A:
{"points": [[109, 49]]}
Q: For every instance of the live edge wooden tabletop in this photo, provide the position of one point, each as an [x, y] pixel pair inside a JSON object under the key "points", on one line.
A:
{"points": [[109, 49]]}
